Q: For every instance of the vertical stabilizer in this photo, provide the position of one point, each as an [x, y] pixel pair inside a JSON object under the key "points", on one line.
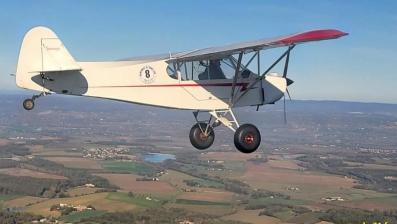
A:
{"points": [[42, 51]]}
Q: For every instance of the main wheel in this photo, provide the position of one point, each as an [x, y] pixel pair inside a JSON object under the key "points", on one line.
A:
{"points": [[28, 104], [199, 139], [247, 138]]}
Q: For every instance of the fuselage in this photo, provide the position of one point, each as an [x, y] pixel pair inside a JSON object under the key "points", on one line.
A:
{"points": [[148, 83], [45, 65]]}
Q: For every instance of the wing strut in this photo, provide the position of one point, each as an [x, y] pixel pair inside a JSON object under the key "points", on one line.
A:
{"points": [[287, 52], [236, 74]]}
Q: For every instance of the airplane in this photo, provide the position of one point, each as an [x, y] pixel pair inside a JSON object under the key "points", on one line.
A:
{"points": [[212, 80]]}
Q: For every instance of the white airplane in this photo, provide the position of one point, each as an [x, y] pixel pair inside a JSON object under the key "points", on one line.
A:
{"points": [[213, 80]]}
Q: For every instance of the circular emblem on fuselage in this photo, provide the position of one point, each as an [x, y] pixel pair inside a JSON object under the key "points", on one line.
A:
{"points": [[147, 74]]}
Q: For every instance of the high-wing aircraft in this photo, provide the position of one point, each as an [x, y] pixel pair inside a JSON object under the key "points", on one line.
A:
{"points": [[213, 80]]}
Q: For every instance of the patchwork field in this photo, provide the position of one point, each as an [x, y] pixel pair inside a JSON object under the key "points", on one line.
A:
{"points": [[379, 203], [126, 167], [371, 166], [283, 164], [280, 175], [251, 216], [98, 200], [57, 153], [77, 216], [127, 182], [280, 179], [138, 200], [23, 201], [200, 202], [5, 198], [30, 173], [79, 191], [208, 194], [3, 142], [75, 162], [218, 210], [176, 178], [230, 156]]}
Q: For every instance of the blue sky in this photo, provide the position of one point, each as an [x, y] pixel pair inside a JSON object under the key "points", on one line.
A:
{"points": [[359, 67]]}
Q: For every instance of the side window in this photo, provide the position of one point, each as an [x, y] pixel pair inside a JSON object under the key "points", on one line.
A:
{"points": [[206, 69], [171, 71], [228, 68], [199, 71], [202, 70]]}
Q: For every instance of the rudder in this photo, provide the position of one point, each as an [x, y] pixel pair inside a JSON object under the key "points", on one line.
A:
{"points": [[42, 51]]}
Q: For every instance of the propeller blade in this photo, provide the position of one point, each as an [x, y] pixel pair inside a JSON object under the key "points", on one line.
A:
{"points": [[285, 112], [288, 94]]}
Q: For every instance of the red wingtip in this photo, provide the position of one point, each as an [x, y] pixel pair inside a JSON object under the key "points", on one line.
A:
{"points": [[314, 35]]}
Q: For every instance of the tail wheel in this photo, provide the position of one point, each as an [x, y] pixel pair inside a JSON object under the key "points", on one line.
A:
{"points": [[202, 136], [28, 104], [247, 138]]}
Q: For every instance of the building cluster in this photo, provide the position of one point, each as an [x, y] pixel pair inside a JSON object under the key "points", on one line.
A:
{"points": [[147, 179], [45, 220], [22, 138], [337, 198], [290, 188], [78, 208], [391, 178], [103, 153], [379, 151], [186, 222]]}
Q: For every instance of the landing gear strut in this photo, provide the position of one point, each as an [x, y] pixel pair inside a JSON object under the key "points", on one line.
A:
{"points": [[28, 104], [247, 137]]}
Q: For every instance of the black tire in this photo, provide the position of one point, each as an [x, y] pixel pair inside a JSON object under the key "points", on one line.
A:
{"points": [[198, 139], [28, 104], [247, 138]]}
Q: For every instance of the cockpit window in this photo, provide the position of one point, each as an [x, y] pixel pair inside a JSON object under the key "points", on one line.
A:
{"points": [[206, 69]]}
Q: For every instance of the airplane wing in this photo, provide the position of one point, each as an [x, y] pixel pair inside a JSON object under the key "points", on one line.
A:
{"points": [[247, 47]]}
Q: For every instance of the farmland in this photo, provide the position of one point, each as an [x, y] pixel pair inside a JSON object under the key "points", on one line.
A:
{"points": [[75, 162], [138, 200], [81, 161], [99, 200], [29, 173], [283, 175], [127, 167], [75, 217], [23, 201], [128, 182]]}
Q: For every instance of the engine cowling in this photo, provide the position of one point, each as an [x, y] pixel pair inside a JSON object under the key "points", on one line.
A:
{"points": [[274, 88]]}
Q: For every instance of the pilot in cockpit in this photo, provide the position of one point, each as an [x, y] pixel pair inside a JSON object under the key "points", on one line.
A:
{"points": [[214, 70]]}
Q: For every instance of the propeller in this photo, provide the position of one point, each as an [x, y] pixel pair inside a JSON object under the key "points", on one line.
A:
{"points": [[289, 82]]}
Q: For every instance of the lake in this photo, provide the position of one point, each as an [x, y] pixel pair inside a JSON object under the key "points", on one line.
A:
{"points": [[157, 157]]}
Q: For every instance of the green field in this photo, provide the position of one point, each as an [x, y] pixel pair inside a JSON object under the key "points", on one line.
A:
{"points": [[138, 200], [208, 183], [278, 201], [6, 197], [77, 216], [197, 202], [127, 167]]}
